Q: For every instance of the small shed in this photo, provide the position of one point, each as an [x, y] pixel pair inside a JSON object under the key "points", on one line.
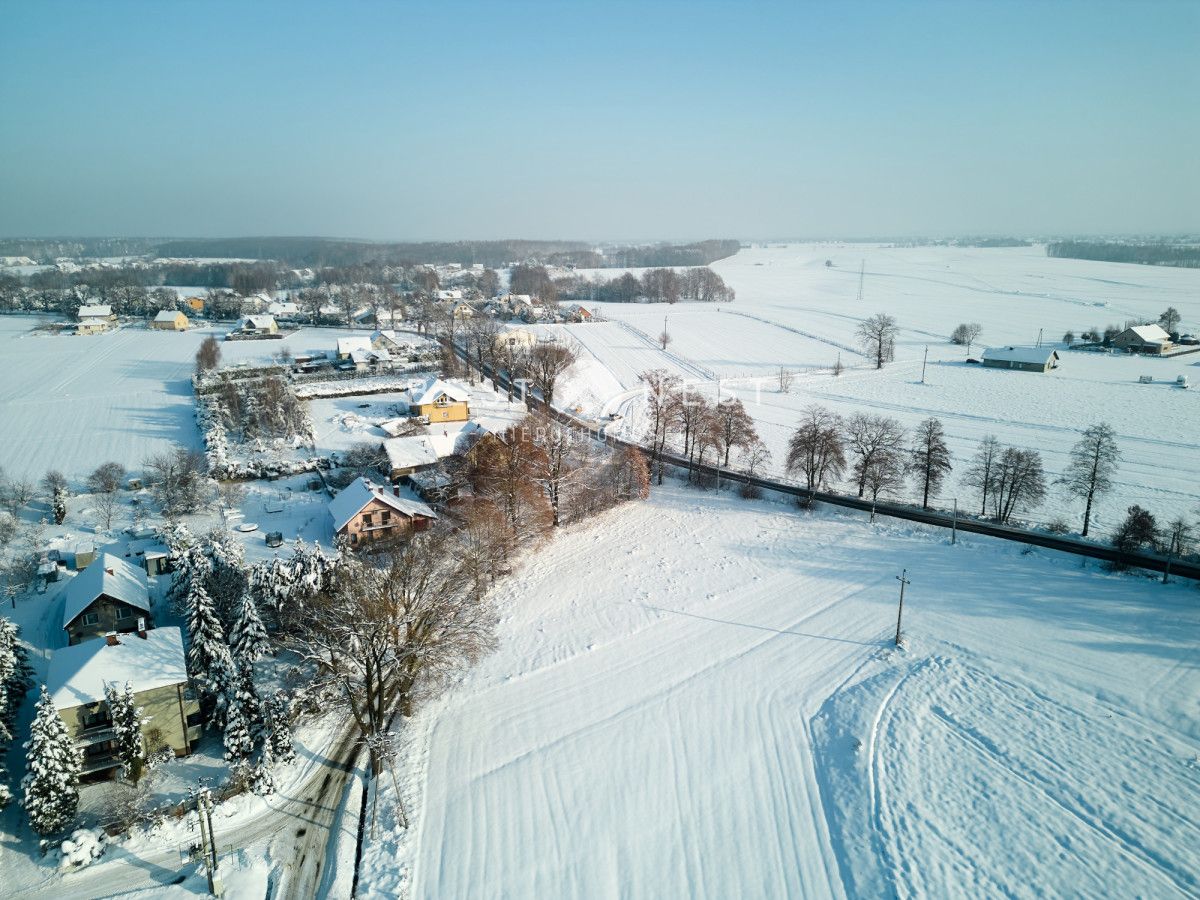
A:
{"points": [[1024, 359]]}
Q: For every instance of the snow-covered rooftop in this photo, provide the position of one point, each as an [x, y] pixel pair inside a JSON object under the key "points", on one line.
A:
{"points": [[350, 501], [96, 311], [1155, 334], [432, 388], [347, 345], [78, 674], [109, 575], [1038, 355], [258, 321], [166, 315]]}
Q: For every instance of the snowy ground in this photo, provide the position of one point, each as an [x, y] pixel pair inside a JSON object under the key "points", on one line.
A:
{"points": [[697, 697], [793, 311], [70, 402]]}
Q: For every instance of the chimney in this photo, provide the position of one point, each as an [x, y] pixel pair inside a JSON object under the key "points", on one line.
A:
{"points": [[141, 629], [110, 571], [395, 490], [111, 639]]}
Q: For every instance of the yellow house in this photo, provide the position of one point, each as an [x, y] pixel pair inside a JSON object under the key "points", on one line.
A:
{"points": [[439, 401], [155, 667], [170, 320], [195, 304]]}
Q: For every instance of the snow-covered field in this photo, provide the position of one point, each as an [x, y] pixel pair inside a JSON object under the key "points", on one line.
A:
{"points": [[793, 311], [71, 403], [698, 697]]}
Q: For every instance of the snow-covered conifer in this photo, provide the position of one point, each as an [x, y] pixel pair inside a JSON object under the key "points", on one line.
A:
{"points": [[243, 716], [58, 504], [277, 728], [205, 632], [15, 675], [127, 723], [249, 639], [51, 785]]}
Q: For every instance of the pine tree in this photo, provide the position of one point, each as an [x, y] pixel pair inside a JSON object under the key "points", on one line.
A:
{"points": [[277, 728], [243, 717], [16, 676], [249, 638], [219, 682], [59, 505], [127, 724], [205, 634], [51, 786], [263, 778]]}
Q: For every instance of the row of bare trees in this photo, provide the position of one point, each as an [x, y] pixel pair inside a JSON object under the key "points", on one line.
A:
{"points": [[543, 364]]}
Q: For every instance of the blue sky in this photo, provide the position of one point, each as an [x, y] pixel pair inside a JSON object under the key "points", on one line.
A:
{"points": [[599, 120]]}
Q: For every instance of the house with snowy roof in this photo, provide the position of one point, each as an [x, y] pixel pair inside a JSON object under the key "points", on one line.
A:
{"points": [[1025, 359], [1152, 339], [258, 324], [169, 320], [409, 454], [387, 340], [364, 512], [95, 319], [154, 666], [109, 595], [439, 401]]}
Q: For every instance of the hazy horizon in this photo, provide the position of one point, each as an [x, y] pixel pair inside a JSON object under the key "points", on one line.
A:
{"points": [[601, 122]]}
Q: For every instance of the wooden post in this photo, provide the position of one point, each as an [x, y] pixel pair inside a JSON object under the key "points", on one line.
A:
{"points": [[954, 524], [903, 581]]}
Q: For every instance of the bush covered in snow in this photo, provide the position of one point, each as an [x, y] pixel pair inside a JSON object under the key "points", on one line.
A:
{"points": [[84, 846]]}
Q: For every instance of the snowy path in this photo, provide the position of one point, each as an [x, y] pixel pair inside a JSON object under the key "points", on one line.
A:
{"points": [[697, 697]]}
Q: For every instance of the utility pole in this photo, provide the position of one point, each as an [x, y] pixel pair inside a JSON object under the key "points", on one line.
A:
{"points": [[954, 524], [862, 271], [924, 360], [205, 823], [903, 581], [1039, 343]]}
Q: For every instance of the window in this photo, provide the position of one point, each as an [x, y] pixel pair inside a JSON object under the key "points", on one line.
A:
{"points": [[195, 718], [125, 611], [90, 618], [385, 518], [367, 519], [96, 717]]}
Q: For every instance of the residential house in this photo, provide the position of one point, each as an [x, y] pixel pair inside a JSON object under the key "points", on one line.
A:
{"points": [[95, 319], [170, 320], [364, 512], [1025, 359], [462, 312], [439, 401], [410, 454], [195, 304], [514, 339], [258, 324], [387, 340], [449, 296], [284, 309], [577, 313], [109, 595], [1151, 339], [155, 667]]}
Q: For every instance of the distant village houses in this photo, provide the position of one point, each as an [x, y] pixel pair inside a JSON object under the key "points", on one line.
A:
{"points": [[95, 319]]}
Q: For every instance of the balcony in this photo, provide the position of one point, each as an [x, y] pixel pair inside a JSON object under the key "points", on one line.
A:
{"points": [[95, 734], [99, 762]]}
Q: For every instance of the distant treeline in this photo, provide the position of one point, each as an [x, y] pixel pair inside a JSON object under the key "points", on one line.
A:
{"points": [[44, 250], [649, 256], [1185, 255]]}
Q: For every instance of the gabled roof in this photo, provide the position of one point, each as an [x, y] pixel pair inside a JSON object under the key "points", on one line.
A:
{"points": [[432, 388], [167, 315], [95, 311], [412, 451], [367, 354], [259, 321], [109, 575], [79, 674], [1154, 334], [347, 345], [387, 335], [351, 500], [1038, 355]]}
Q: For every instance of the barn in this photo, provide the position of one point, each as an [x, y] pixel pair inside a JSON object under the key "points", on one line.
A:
{"points": [[1024, 359]]}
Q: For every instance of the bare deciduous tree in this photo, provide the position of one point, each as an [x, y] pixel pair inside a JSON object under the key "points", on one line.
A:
{"points": [[981, 473], [735, 425], [868, 436], [966, 334], [1093, 463], [661, 409], [816, 450], [208, 357], [878, 338], [930, 458], [1019, 482], [104, 484], [176, 478], [785, 380], [548, 362]]}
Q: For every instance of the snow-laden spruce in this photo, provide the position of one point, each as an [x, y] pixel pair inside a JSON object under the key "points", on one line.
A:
{"points": [[127, 722], [249, 638], [51, 785], [243, 716]]}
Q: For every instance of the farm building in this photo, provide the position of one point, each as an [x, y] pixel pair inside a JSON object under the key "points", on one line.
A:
{"points": [[155, 667], [365, 512], [1150, 339], [95, 319], [109, 595], [1025, 359], [170, 320]]}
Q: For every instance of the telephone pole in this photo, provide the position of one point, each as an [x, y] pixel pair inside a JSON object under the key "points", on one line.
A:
{"points": [[924, 360], [903, 581], [862, 271]]}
